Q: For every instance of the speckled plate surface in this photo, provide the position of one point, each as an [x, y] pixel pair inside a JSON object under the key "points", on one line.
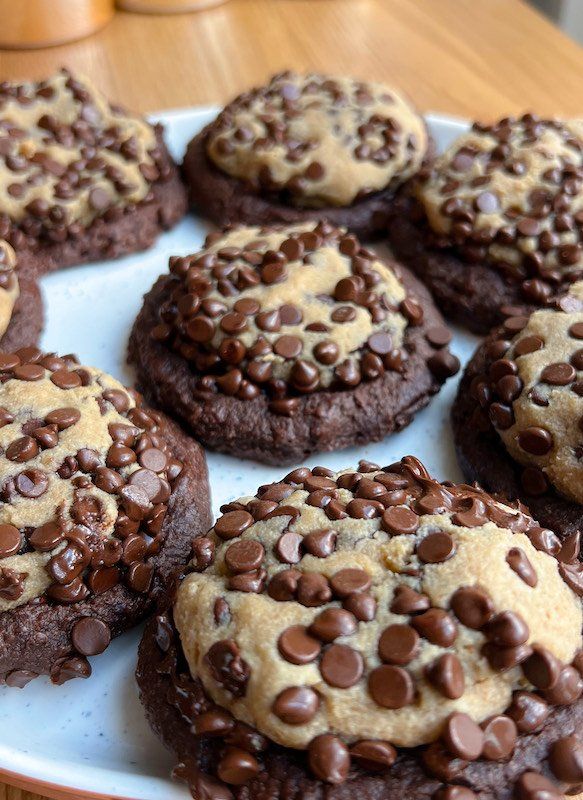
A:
{"points": [[90, 738]]}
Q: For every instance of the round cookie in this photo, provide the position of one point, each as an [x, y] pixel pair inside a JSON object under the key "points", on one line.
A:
{"points": [[80, 180], [370, 634], [21, 308], [307, 147], [101, 497], [272, 343], [497, 221], [518, 414]]}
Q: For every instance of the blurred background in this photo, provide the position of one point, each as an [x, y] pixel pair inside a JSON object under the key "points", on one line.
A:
{"points": [[568, 14]]}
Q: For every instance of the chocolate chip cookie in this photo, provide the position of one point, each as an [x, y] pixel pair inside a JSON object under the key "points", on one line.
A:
{"points": [[519, 411], [21, 308], [80, 179], [497, 222], [372, 634], [101, 497], [272, 343], [307, 147]]}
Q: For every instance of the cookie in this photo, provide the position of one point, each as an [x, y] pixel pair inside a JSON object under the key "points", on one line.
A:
{"points": [[497, 221], [371, 634], [101, 497], [519, 410], [307, 147], [21, 308], [272, 343], [80, 179]]}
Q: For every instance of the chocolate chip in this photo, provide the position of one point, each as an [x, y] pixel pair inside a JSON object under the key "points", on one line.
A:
{"points": [[313, 590], [463, 737], [341, 666], [283, 585], [65, 669], [31, 483], [398, 644], [228, 667], [10, 540], [567, 689], [518, 561], [350, 581], [500, 734], [363, 606], [558, 374], [287, 548], [233, 524], [507, 629], [297, 705], [391, 687], [374, 755], [399, 520], [446, 674], [566, 760], [65, 379], [536, 441], [320, 543], [237, 766], [436, 548], [533, 786], [244, 556], [472, 606], [329, 758], [529, 711], [90, 636], [23, 449], [46, 537], [297, 646], [437, 626], [408, 601], [332, 623], [542, 669]]}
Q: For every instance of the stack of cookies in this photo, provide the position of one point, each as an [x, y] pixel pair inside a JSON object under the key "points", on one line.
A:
{"points": [[370, 632]]}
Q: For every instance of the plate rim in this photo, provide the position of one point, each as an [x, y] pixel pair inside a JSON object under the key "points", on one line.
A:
{"points": [[64, 790]]}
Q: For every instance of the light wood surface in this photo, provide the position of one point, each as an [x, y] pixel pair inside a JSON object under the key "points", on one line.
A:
{"points": [[474, 58]]}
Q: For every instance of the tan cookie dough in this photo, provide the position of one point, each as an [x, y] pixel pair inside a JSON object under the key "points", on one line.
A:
{"points": [[9, 289], [511, 193], [303, 299], [326, 141], [547, 431], [67, 155], [207, 611]]}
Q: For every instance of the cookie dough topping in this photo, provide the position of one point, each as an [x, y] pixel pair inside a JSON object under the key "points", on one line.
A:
{"points": [[319, 141], [290, 311], [84, 481], [9, 289], [67, 157], [350, 614], [535, 398], [512, 194]]}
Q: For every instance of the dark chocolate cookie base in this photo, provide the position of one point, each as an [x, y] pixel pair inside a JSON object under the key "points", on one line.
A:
{"points": [[471, 294], [227, 201], [323, 421], [284, 774], [27, 319], [34, 636], [483, 457], [137, 229]]}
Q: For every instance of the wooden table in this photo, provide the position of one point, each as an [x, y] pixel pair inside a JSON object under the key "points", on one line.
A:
{"points": [[474, 58]]}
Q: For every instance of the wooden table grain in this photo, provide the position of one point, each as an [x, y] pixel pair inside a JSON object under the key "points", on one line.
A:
{"points": [[474, 58]]}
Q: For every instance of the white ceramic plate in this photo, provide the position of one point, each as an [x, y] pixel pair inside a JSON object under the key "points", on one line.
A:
{"points": [[90, 737]]}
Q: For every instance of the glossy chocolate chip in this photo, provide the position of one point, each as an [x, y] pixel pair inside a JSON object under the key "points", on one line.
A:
{"points": [[391, 687], [297, 646], [90, 636], [297, 705]]}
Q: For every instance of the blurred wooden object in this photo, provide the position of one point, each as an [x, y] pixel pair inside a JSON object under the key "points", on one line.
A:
{"points": [[43, 23], [167, 6], [475, 59]]}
